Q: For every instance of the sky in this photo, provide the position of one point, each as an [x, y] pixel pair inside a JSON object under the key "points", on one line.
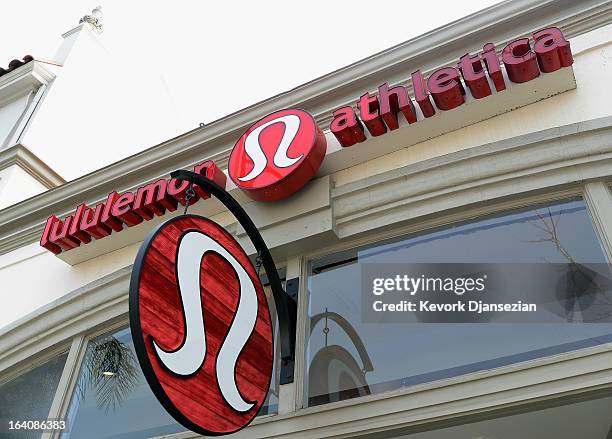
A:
{"points": [[218, 57]]}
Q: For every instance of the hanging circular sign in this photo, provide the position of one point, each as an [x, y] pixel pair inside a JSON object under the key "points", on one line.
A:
{"points": [[201, 325], [277, 155]]}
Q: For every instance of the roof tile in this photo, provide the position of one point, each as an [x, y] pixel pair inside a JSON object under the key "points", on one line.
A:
{"points": [[15, 64]]}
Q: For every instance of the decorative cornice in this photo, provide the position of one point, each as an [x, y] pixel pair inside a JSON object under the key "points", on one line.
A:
{"points": [[20, 155], [93, 304], [521, 164], [28, 77]]}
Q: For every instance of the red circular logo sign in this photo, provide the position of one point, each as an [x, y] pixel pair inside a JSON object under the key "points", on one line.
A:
{"points": [[277, 155], [201, 325]]}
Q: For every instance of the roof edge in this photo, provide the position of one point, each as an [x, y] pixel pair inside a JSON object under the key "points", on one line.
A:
{"points": [[21, 156]]}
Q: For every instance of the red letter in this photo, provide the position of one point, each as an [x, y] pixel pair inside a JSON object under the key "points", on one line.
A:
{"points": [[552, 50], [177, 190], [107, 219], [446, 89], [75, 231], [392, 101], [421, 95], [474, 76], [61, 237], [368, 110], [122, 209], [520, 61], [151, 199], [492, 63], [346, 127], [211, 171], [91, 222], [44, 240]]}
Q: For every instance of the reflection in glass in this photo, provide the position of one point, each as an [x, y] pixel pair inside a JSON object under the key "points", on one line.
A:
{"points": [[405, 354], [29, 396], [110, 371], [337, 363], [112, 397]]}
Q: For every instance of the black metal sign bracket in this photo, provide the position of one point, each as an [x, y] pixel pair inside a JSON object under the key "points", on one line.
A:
{"points": [[286, 301]]}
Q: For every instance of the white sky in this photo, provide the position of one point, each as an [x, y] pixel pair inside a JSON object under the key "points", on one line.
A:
{"points": [[219, 57]]}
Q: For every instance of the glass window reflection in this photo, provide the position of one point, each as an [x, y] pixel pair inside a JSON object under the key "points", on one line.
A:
{"points": [[30, 395], [112, 398], [347, 358]]}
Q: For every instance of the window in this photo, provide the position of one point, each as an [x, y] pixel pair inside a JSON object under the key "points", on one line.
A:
{"points": [[17, 401], [271, 403], [112, 397], [347, 358]]}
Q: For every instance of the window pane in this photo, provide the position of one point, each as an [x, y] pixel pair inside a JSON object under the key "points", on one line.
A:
{"points": [[29, 396], [112, 397], [347, 358]]}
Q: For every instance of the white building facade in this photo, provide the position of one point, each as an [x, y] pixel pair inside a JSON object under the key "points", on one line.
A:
{"points": [[521, 176]]}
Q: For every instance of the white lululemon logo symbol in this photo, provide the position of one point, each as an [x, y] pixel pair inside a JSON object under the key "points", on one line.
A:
{"points": [[189, 357], [253, 148], [201, 326]]}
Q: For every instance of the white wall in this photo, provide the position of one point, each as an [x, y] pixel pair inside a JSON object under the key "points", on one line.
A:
{"points": [[10, 112], [98, 110], [17, 185], [31, 277]]}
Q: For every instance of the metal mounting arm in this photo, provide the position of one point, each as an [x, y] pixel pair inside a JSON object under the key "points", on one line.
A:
{"points": [[286, 307]]}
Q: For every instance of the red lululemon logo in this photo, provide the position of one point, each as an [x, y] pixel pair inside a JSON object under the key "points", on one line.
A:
{"points": [[201, 325], [277, 155]]}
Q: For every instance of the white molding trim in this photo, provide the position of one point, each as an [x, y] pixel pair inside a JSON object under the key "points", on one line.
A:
{"points": [[67, 380], [28, 161], [97, 304], [28, 77], [599, 199]]}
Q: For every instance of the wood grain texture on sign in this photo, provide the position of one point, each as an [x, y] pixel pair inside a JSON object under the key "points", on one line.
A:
{"points": [[157, 314]]}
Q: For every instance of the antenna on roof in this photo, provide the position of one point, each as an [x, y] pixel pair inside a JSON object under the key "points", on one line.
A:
{"points": [[94, 19]]}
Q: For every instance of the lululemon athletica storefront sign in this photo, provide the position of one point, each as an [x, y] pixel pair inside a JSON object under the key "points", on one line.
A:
{"points": [[279, 154]]}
